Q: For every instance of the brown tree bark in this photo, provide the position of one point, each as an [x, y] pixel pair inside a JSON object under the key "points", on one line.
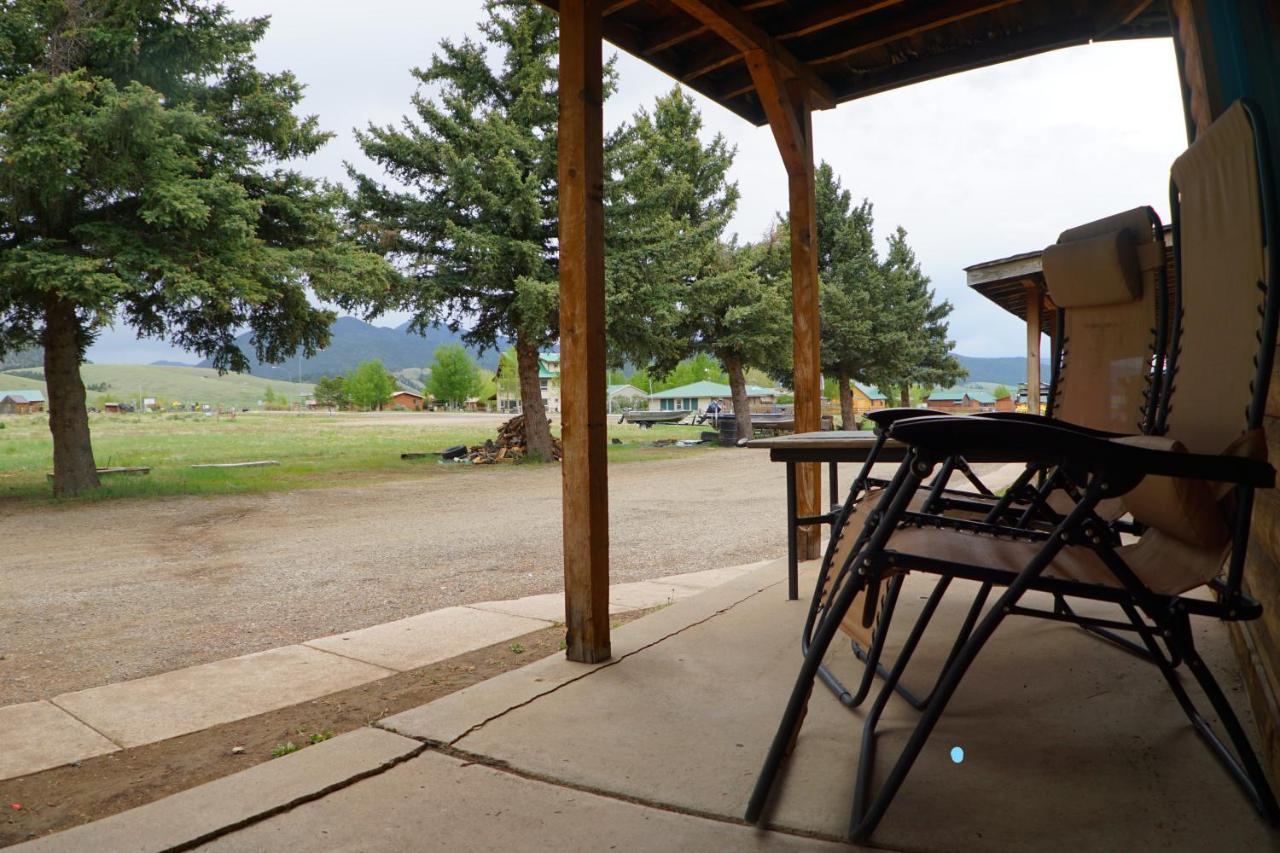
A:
{"points": [[905, 396], [738, 390], [536, 426], [846, 403], [74, 469]]}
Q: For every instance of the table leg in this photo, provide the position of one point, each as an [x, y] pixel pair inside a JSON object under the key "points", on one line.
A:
{"points": [[793, 564]]}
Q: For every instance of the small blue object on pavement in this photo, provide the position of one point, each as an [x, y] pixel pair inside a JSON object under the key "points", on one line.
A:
{"points": [[957, 754]]}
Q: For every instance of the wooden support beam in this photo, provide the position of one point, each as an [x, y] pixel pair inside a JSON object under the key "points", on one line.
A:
{"points": [[1033, 348], [732, 25], [669, 37], [582, 339], [790, 117]]}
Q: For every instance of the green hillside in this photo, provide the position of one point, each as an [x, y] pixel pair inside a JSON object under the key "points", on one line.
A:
{"points": [[166, 384]]}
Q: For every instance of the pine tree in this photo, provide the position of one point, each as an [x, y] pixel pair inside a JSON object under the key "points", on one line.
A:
{"points": [[476, 229], [331, 392], [676, 287], [919, 325], [851, 289], [142, 182], [668, 202]]}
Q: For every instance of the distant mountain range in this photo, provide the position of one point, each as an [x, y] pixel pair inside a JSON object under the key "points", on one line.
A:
{"points": [[353, 341], [33, 357], [1010, 371]]}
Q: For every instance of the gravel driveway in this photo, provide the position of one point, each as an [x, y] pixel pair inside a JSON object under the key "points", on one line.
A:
{"points": [[96, 593]]}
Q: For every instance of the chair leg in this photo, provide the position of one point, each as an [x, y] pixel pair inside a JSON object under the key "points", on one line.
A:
{"points": [[864, 818], [872, 658], [899, 493], [1243, 766], [789, 727], [1060, 605]]}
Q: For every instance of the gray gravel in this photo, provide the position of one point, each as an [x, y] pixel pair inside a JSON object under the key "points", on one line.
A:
{"points": [[96, 593]]}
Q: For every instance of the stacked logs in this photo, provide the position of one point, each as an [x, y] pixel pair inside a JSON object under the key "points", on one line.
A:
{"points": [[510, 447]]}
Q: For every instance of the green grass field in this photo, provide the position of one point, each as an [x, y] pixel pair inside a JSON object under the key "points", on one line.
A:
{"points": [[166, 384], [313, 451]]}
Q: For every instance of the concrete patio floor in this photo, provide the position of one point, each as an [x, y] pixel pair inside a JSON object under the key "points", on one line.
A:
{"points": [[1069, 744]]}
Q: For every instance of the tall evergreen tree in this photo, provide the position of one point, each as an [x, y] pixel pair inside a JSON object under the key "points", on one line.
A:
{"points": [[675, 286], [141, 182], [920, 327], [852, 290], [668, 202], [475, 226]]}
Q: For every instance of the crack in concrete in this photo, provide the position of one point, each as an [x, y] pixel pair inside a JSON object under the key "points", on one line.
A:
{"points": [[597, 668], [470, 759], [86, 724]]}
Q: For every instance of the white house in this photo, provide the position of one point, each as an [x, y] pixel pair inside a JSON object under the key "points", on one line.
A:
{"points": [[698, 395]]}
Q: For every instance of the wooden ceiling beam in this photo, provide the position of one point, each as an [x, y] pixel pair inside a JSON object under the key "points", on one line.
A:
{"points": [[892, 29], [922, 19], [617, 6], [788, 26], [732, 25], [679, 33]]}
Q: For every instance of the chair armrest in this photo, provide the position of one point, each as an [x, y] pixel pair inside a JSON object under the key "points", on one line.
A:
{"points": [[1028, 417], [1003, 440], [885, 418]]}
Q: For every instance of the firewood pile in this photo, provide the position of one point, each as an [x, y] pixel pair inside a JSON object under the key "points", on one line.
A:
{"points": [[511, 445]]}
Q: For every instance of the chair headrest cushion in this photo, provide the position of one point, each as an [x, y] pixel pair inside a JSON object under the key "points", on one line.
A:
{"points": [[1093, 271]]}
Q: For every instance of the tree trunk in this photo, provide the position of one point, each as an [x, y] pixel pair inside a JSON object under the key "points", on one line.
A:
{"points": [[906, 396], [536, 427], [74, 470], [847, 420], [738, 389]]}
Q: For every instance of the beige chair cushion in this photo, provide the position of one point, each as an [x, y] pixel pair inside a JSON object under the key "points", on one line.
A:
{"points": [[1223, 260], [1100, 270], [1186, 510], [1165, 565]]}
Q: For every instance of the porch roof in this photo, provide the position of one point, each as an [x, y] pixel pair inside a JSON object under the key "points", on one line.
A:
{"points": [[846, 49]]}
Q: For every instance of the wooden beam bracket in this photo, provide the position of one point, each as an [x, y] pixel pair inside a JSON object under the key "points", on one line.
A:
{"points": [[731, 24]]}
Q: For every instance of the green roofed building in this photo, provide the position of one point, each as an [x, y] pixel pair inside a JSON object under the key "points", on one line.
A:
{"points": [[961, 400], [21, 402]]}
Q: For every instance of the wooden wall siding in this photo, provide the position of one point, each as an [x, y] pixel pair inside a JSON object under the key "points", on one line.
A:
{"points": [[1258, 643]]}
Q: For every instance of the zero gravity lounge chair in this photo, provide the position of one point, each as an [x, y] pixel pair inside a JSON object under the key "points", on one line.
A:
{"points": [[1107, 279], [1192, 488]]}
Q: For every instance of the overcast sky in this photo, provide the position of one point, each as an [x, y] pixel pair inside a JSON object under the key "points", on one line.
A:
{"points": [[975, 166]]}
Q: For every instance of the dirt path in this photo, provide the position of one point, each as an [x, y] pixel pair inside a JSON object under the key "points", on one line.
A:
{"points": [[96, 593]]}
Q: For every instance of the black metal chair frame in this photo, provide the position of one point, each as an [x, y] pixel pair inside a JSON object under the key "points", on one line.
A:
{"points": [[1025, 503], [1106, 469]]}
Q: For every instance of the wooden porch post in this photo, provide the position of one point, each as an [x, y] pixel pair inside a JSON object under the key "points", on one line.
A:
{"points": [[787, 105], [1033, 349], [582, 337]]}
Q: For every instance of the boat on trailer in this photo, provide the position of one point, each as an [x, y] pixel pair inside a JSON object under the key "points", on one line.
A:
{"points": [[646, 418]]}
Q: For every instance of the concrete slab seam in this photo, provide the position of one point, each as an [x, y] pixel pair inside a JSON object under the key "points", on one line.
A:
{"points": [[85, 723], [469, 758], [478, 609], [310, 796], [591, 671], [388, 670]]}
